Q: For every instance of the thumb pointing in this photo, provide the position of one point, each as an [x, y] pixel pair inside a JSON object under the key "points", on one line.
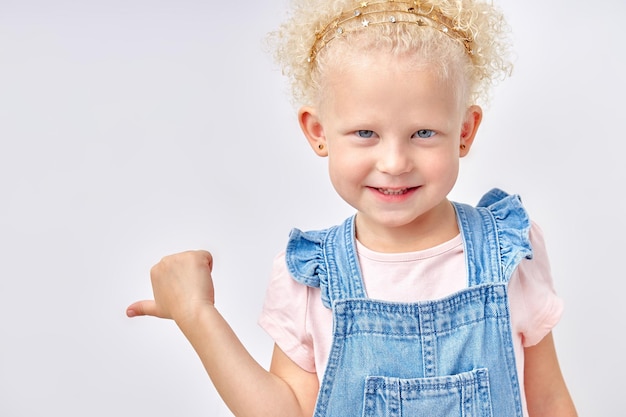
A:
{"points": [[142, 308]]}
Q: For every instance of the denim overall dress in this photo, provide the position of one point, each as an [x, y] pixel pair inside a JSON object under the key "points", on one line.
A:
{"points": [[449, 357]]}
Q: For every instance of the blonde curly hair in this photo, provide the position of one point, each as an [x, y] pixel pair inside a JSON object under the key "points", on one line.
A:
{"points": [[488, 62]]}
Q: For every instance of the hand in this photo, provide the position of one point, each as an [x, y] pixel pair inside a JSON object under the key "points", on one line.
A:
{"points": [[181, 284]]}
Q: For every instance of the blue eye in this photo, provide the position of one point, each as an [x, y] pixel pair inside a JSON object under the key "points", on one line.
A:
{"points": [[425, 133], [365, 134]]}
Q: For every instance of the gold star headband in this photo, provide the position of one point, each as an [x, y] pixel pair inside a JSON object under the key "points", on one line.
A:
{"points": [[370, 13]]}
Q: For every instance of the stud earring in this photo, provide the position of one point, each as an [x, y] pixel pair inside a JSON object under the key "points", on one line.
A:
{"points": [[320, 146], [463, 146]]}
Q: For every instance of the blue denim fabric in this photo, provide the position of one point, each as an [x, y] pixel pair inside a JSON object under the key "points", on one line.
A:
{"points": [[449, 357]]}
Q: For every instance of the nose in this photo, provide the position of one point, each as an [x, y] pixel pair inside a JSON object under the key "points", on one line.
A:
{"points": [[394, 158]]}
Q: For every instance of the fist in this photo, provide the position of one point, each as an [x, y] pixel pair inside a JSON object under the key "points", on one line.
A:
{"points": [[181, 284]]}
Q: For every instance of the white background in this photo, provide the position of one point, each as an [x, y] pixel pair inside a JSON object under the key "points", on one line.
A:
{"points": [[131, 129]]}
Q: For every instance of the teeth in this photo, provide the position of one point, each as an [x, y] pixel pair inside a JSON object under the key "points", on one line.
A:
{"points": [[393, 192]]}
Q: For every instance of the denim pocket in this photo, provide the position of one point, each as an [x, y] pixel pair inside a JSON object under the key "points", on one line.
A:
{"points": [[462, 395]]}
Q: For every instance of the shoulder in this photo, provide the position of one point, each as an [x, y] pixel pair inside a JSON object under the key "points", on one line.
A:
{"points": [[305, 252], [498, 208], [282, 286], [303, 256], [498, 225], [507, 209]]}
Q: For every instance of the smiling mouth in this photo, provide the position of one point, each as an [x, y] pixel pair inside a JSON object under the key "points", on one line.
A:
{"points": [[396, 191]]}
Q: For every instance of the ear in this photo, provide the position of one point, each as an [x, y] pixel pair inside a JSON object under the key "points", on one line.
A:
{"points": [[313, 130], [473, 117]]}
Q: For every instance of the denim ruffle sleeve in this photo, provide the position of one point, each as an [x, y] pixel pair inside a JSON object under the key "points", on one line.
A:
{"points": [[305, 260], [513, 227]]}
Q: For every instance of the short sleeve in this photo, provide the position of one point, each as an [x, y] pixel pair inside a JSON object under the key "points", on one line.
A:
{"points": [[535, 306], [284, 315]]}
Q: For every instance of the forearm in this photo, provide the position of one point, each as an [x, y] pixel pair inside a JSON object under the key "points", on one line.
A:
{"points": [[546, 392], [244, 385]]}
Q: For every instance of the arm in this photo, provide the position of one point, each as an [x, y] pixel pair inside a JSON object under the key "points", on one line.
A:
{"points": [[183, 291], [305, 385], [546, 392]]}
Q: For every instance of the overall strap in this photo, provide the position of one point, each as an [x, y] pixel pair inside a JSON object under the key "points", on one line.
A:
{"points": [[327, 259], [495, 236]]}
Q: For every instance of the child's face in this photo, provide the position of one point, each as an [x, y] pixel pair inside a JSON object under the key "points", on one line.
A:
{"points": [[393, 136]]}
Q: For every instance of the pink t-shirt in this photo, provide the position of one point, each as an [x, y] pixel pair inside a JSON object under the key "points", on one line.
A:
{"points": [[294, 316]]}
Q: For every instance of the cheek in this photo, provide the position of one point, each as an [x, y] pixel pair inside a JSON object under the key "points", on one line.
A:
{"points": [[338, 168], [443, 165], [344, 169], [452, 169]]}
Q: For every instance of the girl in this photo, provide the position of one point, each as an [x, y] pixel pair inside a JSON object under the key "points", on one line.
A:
{"points": [[415, 305]]}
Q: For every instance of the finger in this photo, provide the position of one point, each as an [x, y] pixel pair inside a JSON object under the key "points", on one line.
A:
{"points": [[208, 258], [142, 308]]}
